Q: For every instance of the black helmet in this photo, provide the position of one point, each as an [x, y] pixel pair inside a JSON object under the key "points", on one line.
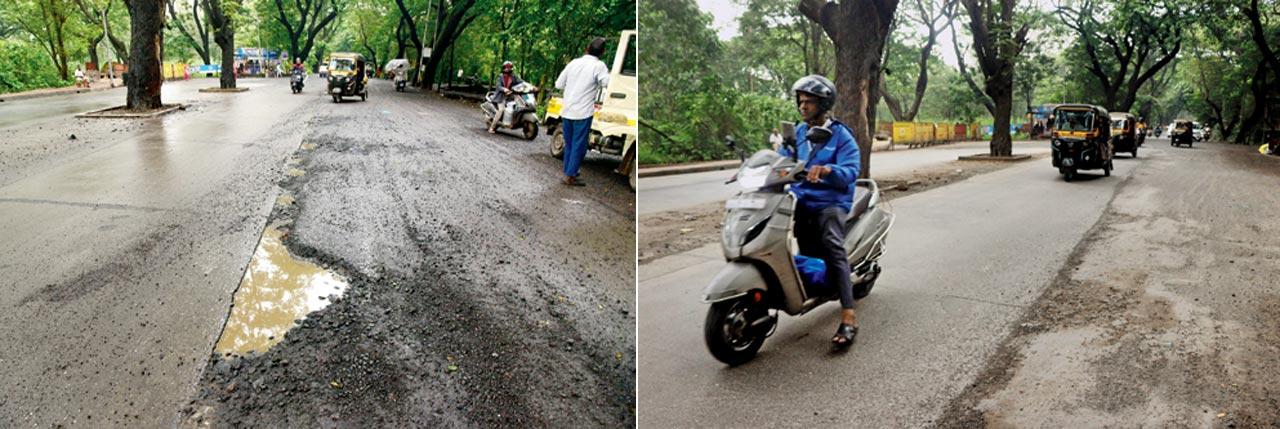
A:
{"points": [[817, 86]]}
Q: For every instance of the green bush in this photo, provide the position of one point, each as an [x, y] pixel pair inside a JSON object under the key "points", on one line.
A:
{"points": [[23, 67]]}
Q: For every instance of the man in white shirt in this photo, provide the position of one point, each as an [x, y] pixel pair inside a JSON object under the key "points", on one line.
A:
{"points": [[775, 140], [581, 82]]}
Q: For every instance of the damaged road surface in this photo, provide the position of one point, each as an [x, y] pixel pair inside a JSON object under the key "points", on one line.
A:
{"points": [[270, 260], [1016, 299]]}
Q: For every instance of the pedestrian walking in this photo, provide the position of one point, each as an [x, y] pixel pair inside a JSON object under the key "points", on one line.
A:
{"points": [[775, 140], [581, 80], [79, 78]]}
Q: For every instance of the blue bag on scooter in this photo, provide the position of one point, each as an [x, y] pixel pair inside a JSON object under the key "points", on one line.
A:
{"points": [[813, 271]]}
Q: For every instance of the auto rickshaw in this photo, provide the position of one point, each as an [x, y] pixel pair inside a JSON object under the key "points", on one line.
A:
{"points": [[1183, 133], [348, 76], [1124, 133], [1081, 139]]}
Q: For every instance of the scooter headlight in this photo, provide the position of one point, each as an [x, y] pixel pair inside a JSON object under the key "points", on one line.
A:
{"points": [[755, 231]]}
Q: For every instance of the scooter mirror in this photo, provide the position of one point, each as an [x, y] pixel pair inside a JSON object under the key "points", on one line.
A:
{"points": [[789, 138], [818, 135]]}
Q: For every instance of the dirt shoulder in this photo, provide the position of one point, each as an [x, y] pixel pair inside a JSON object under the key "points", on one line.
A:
{"points": [[678, 231], [1165, 315]]}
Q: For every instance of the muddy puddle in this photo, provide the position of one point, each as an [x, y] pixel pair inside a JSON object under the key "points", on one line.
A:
{"points": [[277, 290]]}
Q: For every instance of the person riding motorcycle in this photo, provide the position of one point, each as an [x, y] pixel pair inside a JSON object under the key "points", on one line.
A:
{"points": [[506, 81], [297, 66], [824, 200]]}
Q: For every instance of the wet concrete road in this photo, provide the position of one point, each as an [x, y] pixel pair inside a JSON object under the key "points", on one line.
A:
{"points": [[122, 247], [963, 261], [663, 193]]}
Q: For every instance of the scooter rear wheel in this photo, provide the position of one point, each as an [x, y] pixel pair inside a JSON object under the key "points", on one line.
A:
{"points": [[530, 130], [728, 332]]}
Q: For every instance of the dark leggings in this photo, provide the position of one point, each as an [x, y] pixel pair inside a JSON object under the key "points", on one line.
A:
{"points": [[821, 235]]}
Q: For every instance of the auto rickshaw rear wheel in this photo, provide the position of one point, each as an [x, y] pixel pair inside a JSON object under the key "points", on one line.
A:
{"points": [[337, 98], [557, 145], [1106, 169], [364, 96]]}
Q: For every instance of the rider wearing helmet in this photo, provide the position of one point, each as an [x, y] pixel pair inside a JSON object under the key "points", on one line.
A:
{"points": [[506, 81], [826, 197]]}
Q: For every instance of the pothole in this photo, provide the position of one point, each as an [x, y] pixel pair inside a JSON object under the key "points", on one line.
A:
{"points": [[277, 291]]}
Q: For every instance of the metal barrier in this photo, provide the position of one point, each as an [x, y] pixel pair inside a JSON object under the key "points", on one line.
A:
{"points": [[918, 134]]}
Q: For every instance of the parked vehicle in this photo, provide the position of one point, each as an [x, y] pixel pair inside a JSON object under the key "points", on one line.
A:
{"points": [[761, 277], [1183, 133], [1197, 131], [1081, 139], [613, 130], [1124, 133], [348, 76], [520, 110]]}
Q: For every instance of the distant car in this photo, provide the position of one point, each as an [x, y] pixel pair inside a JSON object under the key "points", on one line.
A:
{"points": [[1197, 131], [324, 71]]}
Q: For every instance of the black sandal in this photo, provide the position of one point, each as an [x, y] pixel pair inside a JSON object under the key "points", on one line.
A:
{"points": [[845, 335]]}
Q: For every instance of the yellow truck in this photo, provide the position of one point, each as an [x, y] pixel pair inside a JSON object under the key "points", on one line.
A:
{"points": [[613, 128]]}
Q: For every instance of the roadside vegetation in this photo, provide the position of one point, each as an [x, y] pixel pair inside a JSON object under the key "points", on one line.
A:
{"points": [[1212, 62]]}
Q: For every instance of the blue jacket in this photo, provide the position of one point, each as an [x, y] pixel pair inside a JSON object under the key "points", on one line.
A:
{"points": [[841, 154]]}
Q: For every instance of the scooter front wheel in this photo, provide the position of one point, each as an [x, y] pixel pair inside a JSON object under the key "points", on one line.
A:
{"points": [[729, 333]]}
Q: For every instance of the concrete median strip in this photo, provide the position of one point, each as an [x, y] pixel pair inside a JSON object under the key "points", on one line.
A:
{"points": [[124, 112]]}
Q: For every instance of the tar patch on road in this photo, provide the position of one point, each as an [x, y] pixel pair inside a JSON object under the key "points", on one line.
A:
{"points": [[465, 327]]}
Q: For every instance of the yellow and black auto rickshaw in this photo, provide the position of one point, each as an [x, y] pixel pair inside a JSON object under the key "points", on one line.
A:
{"points": [[1183, 133], [1124, 133], [1081, 139], [348, 76]]}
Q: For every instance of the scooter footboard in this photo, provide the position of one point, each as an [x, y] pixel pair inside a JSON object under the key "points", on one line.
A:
{"points": [[866, 238], [733, 281]]}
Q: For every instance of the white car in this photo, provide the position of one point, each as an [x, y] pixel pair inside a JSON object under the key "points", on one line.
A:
{"points": [[324, 71], [1197, 131]]}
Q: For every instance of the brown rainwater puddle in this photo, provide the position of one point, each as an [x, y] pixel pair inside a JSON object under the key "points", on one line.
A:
{"points": [[276, 290]]}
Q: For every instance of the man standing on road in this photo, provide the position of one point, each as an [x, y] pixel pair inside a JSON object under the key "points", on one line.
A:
{"points": [[825, 198], [775, 140], [581, 81]]}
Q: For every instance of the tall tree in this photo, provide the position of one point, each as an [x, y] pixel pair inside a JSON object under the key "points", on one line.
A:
{"points": [[224, 34], [312, 17], [1131, 42], [201, 28], [406, 18], [858, 29], [998, 39], [454, 20], [935, 18], [146, 24], [46, 20]]}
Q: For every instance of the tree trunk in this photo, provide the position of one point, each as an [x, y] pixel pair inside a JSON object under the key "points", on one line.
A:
{"points": [[858, 29], [146, 19], [453, 26], [224, 34], [93, 50], [1000, 88]]}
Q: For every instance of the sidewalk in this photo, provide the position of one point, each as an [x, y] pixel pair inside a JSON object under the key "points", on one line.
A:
{"points": [[97, 85]]}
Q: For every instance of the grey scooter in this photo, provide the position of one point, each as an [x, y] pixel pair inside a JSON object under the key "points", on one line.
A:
{"points": [[760, 277]]}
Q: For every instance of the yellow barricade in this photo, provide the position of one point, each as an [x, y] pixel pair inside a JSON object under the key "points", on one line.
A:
{"points": [[903, 133]]}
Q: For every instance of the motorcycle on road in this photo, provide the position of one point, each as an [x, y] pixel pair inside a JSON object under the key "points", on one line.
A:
{"points": [[520, 113], [761, 276], [299, 78]]}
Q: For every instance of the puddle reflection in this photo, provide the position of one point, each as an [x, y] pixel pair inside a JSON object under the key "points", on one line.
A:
{"points": [[276, 290]]}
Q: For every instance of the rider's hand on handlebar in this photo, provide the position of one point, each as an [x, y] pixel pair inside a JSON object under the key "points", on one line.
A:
{"points": [[817, 172]]}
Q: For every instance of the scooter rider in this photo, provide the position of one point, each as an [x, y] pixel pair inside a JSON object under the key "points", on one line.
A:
{"points": [[824, 200], [506, 81]]}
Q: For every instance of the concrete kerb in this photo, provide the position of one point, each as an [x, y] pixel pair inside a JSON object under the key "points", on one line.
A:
{"points": [[687, 168], [217, 89], [121, 112], [987, 157]]}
